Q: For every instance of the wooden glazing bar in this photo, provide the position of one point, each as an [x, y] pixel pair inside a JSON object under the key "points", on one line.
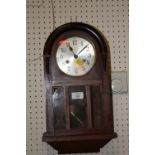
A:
{"points": [[66, 105], [88, 96]]}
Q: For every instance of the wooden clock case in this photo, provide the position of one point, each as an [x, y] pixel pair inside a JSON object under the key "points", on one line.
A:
{"points": [[63, 132]]}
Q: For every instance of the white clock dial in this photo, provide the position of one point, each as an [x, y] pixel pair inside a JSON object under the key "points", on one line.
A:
{"points": [[75, 56]]}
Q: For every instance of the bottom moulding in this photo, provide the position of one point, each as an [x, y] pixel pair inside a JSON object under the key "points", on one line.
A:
{"points": [[78, 144]]}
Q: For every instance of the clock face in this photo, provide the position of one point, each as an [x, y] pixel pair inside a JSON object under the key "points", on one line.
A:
{"points": [[75, 56]]}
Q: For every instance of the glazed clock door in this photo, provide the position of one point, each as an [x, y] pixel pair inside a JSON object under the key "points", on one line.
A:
{"points": [[59, 115], [78, 107]]}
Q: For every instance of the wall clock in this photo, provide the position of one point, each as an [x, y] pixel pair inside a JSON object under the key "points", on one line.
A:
{"points": [[79, 114]]}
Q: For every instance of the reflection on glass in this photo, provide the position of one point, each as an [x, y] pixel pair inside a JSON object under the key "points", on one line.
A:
{"points": [[97, 106], [58, 106], [78, 107]]}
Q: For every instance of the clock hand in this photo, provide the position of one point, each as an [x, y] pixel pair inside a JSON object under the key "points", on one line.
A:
{"points": [[71, 49], [82, 50]]}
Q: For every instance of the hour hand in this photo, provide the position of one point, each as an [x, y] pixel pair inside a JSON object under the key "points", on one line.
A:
{"points": [[71, 49]]}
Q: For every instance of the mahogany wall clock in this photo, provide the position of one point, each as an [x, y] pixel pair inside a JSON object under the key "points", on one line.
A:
{"points": [[79, 114]]}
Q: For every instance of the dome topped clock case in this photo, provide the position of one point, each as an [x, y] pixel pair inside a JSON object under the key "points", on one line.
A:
{"points": [[79, 114]]}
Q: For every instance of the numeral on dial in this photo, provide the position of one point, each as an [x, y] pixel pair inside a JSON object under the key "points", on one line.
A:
{"points": [[89, 56], [68, 68], [83, 68], [74, 42], [61, 56], [87, 62], [76, 70], [63, 50]]}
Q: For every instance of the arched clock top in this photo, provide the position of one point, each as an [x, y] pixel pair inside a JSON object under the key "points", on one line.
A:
{"points": [[81, 27]]}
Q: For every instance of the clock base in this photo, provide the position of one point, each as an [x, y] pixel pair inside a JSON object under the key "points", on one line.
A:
{"points": [[78, 144]]}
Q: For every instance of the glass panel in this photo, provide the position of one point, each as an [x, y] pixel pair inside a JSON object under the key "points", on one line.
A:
{"points": [[78, 107], [97, 106], [58, 106]]}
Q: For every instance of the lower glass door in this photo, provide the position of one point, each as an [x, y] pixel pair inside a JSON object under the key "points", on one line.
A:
{"points": [[78, 107]]}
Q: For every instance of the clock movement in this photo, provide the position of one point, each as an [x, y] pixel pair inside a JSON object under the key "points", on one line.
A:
{"points": [[79, 113]]}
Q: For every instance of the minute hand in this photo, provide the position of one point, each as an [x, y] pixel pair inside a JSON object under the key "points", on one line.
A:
{"points": [[81, 50]]}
